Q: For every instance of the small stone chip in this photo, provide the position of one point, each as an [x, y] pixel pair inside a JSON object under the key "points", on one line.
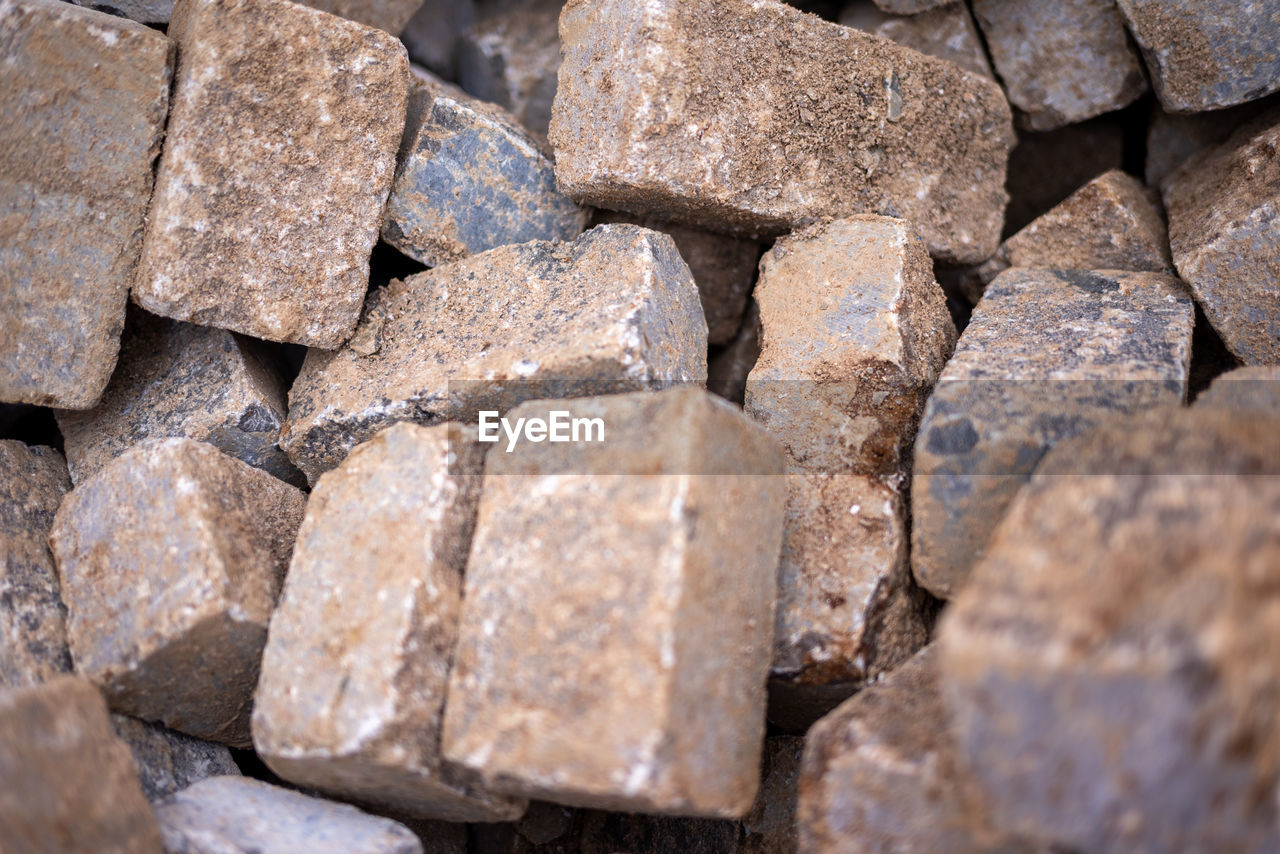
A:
{"points": [[1061, 62], [84, 96], [171, 559], [1122, 629], [1047, 354], [33, 633], [615, 310], [222, 815], [756, 117], [1207, 54], [1223, 208], [275, 170], [357, 659], [618, 661], [511, 58], [169, 761], [67, 783], [179, 380], [470, 179]]}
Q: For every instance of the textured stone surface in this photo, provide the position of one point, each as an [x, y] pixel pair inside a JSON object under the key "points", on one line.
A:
{"points": [[729, 367], [84, 97], [236, 815], [1207, 54], [722, 136], [179, 380], [1047, 354], [947, 32], [1111, 223], [511, 58], [1121, 630], [66, 782], [1047, 167], [168, 761], [171, 560], [33, 633], [1244, 389], [880, 773], [470, 179], [356, 712], [723, 267], [636, 682], [277, 161], [432, 34], [614, 310], [1223, 209], [389, 15], [1061, 62]]}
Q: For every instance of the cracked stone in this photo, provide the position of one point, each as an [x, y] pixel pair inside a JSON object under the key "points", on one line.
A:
{"points": [[169, 761]]}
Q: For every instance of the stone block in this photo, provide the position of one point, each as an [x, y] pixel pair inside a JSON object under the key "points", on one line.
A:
{"points": [[511, 57], [470, 179], [1047, 355], [235, 814], [175, 380], [1207, 54], [356, 713], [33, 633], [169, 761], [1244, 390], [1223, 206], [275, 170], [171, 560], [1063, 62], [388, 15], [67, 783], [723, 137], [614, 310], [946, 31], [637, 681], [84, 96]]}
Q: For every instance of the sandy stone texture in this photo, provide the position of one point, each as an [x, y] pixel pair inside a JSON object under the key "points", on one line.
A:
{"points": [[236, 814], [278, 158], [75, 176], [389, 15], [1121, 629], [947, 32], [171, 560], [470, 179], [67, 783], [803, 121], [1061, 62], [357, 659], [634, 682], [169, 761], [511, 57], [1047, 355], [33, 634], [1244, 389], [615, 310], [179, 380], [1223, 208], [1207, 54]]}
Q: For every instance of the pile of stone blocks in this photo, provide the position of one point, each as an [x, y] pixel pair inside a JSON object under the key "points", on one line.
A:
{"points": [[597, 426]]}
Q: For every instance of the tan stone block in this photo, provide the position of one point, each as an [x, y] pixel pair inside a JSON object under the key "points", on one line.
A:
{"points": [[171, 560], [804, 120], [169, 761], [277, 162], [618, 661]]}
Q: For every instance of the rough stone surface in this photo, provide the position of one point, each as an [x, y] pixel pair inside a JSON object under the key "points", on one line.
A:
{"points": [[636, 682], [1244, 389], [1061, 62], [1207, 54], [717, 133], [470, 179], [84, 97], [880, 773], [729, 367], [1047, 354], [1172, 138], [511, 58], [723, 267], [1121, 630], [389, 15], [1224, 206], [33, 633], [66, 782], [1047, 167], [947, 32], [236, 815], [171, 560], [355, 712], [1111, 223], [432, 34], [178, 380], [277, 162], [168, 761], [614, 310]]}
